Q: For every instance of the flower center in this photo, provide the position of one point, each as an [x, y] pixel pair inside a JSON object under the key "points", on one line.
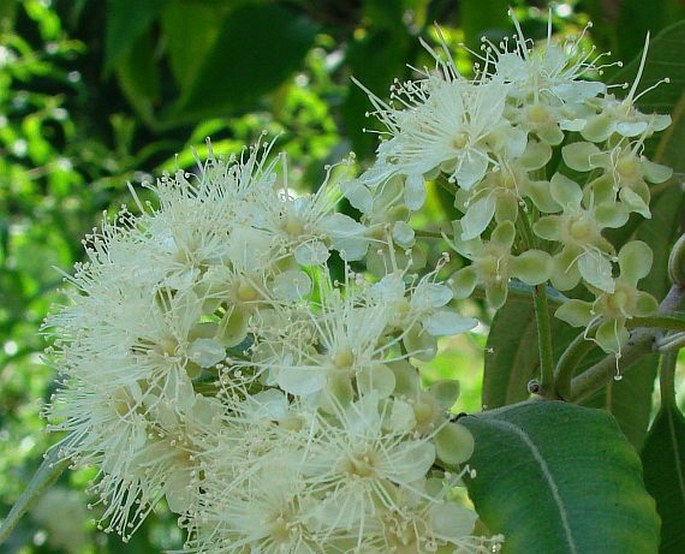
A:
{"points": [[362, 466], [538, 114], [246, 292], [460, 140], [343, 359], [627, 167], [582, 230]]}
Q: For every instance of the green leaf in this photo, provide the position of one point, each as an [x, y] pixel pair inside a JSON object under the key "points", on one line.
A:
{"points": [[375, 59], [511, 358], [511, 361], [257, 48], [660, 233], [557, 478], [630, 399], [663, 458], [127, 21], [138, 75], [664, 59], [486, 18], [637, 18], [184, 48]]}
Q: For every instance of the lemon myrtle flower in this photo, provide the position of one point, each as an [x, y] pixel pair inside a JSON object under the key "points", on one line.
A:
{"points": [[493, 264], [208, 358], [620, 116], [615, 308], [553, 73], [446, 125], [585, 252], [625, 173], [420, 312], [500, 196]]}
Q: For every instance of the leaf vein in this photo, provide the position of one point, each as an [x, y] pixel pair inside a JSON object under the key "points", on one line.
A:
{"points": [[549, 479]]}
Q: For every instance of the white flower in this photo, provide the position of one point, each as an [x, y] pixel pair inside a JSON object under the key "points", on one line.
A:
{"points": [[105, 429], [621, 117], [362, 466], [420, 309], [551, 75], [346, 346], [448, 125]]}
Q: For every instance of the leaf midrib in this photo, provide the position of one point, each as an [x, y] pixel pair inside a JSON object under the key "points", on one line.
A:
{"points": [[548, 477]]}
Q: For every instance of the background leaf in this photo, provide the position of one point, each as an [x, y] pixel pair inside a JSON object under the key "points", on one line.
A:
{"points": [[258, 46], [138, 77], [638, 17], [663, 458], [511, 361], [664, 59], [184, 48], [484, 18], [629, 399], [127, 21], [558, 478], [511, 356]]}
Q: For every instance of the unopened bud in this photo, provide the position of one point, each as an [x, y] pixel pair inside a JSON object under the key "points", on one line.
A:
{"points": [[676, 262]]}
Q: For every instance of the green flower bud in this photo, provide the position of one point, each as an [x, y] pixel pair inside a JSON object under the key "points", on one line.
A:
{"points": [[454, 444], [676, 262]]}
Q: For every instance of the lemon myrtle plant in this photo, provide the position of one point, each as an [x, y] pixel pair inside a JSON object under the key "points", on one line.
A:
{"points": [[251, 356]]}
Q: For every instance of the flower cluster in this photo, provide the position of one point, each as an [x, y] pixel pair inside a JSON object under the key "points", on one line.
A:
{"points": [[209, 358], [495, 141], [214, 357]]}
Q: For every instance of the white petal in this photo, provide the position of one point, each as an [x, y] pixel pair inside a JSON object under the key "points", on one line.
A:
{"points": [[291, 286], [410, 461], [449, 323], [358, 195], [403, 234], [206, 352], [596, 270], [477, 217], [414, 191], [311, 253]]}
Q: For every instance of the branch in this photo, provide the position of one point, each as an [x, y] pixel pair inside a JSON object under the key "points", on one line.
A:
{"points": [[642, 341]]}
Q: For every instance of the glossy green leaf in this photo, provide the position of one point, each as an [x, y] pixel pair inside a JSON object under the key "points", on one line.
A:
{"points": [[557, 478], [511, 356], [663, 458], [138, 75], [257, 48], [127, 20], [184, 48], [629, 399]]}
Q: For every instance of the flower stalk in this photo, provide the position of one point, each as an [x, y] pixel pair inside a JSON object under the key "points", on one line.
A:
{"points": [[545, 347]]}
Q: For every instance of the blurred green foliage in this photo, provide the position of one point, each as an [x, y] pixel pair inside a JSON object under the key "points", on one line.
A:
{"points": [[96, 94]]}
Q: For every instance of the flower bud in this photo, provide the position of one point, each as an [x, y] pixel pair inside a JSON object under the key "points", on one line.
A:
{"points": [[676, 262]]}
